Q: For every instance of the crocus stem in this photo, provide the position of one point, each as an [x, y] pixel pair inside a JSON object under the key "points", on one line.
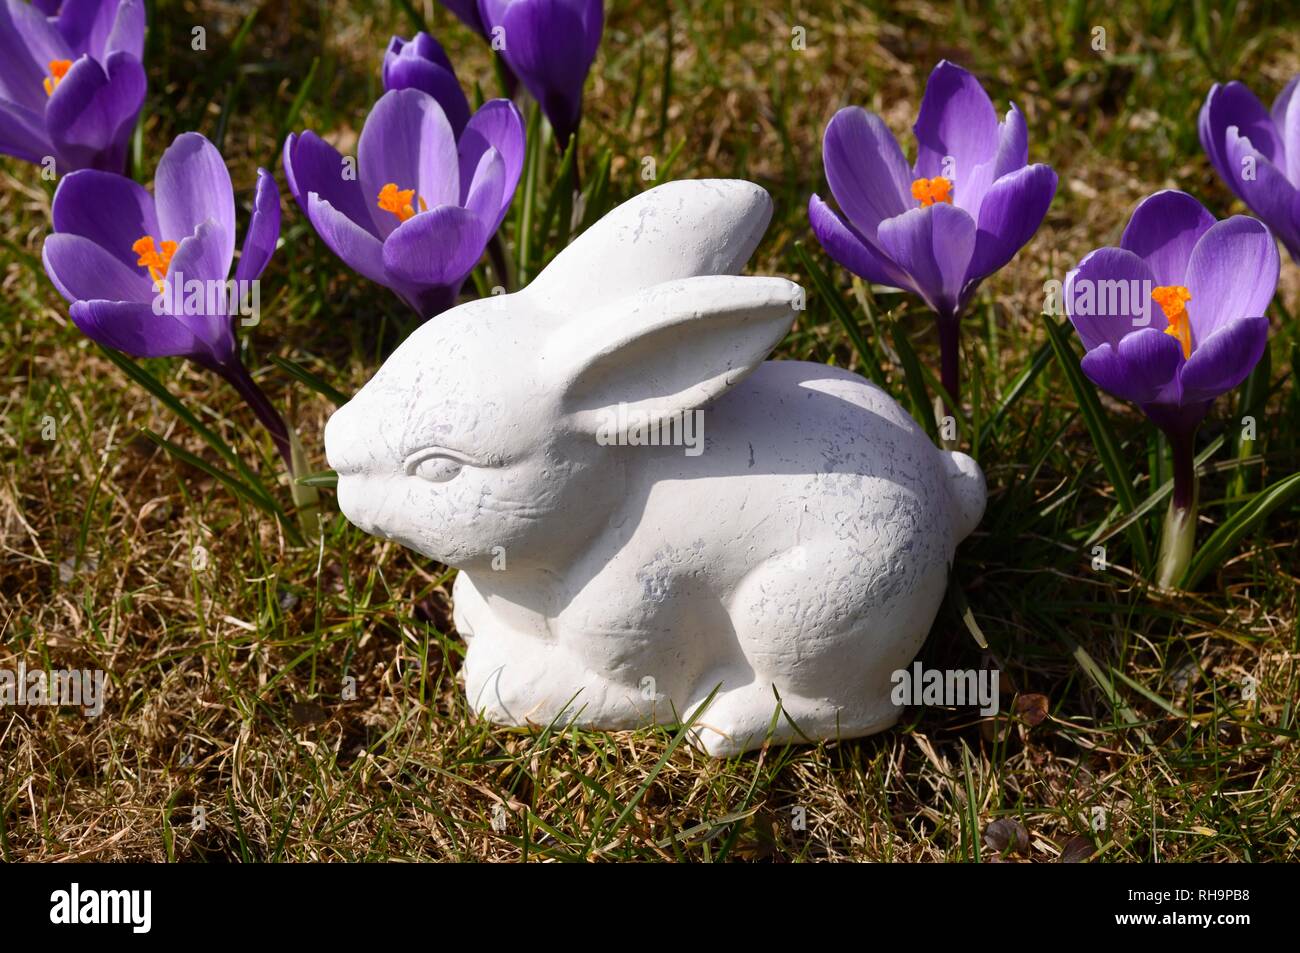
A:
{"points": [[950, 377], [509, 81], [500, 261], [949, 359], [1178, 538], [242, 381], [577, 162]]}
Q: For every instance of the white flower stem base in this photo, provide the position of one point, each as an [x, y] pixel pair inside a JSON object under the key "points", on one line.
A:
{"points": [[1177, 543]]}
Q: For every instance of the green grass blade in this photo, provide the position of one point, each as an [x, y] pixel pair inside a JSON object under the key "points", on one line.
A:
{"points": [[972, 824], [666, 77], [596, 191], [559, 203], [291, 117], [1225, 538], [210, 437], [1103, 438], [914, 379], [1252, 395], [219, 76], [1018, 387], [1109, 527], [826, 290], [235, 485], [524, 232], [958, 598], [320, 386], [325, 478], [418, 23], [681, 735]]}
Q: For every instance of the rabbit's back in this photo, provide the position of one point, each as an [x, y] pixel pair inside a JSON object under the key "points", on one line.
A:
{"points": [[799, 455]]}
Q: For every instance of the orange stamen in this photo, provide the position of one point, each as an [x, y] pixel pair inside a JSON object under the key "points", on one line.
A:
{"points": [[398, 201], [58, 70], [153, 259], [1173, 302], [929, 191]]}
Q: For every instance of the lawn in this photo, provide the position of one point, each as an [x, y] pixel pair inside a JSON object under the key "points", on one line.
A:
{"points": [[288, 691]]}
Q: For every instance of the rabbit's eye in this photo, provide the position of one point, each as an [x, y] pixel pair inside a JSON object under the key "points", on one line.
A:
{"points": [[436, 469]]}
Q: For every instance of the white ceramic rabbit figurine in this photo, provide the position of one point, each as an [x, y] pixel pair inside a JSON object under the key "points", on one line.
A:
{"points": [[800, 549]]}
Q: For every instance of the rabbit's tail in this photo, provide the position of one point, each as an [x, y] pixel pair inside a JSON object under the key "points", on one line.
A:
{"points": [[966, 487]]}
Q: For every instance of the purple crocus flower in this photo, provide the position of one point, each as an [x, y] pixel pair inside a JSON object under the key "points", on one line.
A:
{"points": [[421, 64], [147, 274], [420, 205], [942, 225], [1257, 153], [550, 45], [71, 84], [466, 12], [1172, 319]]}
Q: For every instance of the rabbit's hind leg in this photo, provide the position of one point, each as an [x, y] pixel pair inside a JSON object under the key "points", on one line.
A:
{"points": [[824, 627], [752, 715]]}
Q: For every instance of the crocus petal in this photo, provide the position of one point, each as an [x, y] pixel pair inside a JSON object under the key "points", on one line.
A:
{"points": [[1163, 230], [1012, 155], [111, 210], [93, 109], [1139, 368], [85, 25], [127, 34], [313, 165], [28, 42], [593, 25], [134, 328], [484, 199], [200, 265], [82, 270], [360, 250], [957, 122], [1234, 104], [263, 229], [846, 247], [866, 169], [490, 11], [1108, 296], [1232, 275], [1289, 128], [1263, 187], [431, 73], [22, 133], [192, 186], [497, 125], [407, 141], [1224, 359], [426, 48], [1013, 144], [934, 245], [102, 27], [1281, 104], [437, 247], [548, 47], [467, 12], [201, 256], [1011, 212]]}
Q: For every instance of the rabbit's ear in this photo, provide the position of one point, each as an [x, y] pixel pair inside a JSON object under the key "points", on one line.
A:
{"points": [[681, 229], [667, 349]]}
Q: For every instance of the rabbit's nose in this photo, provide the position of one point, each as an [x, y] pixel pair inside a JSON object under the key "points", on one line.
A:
{"points": [[347, 440]]}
